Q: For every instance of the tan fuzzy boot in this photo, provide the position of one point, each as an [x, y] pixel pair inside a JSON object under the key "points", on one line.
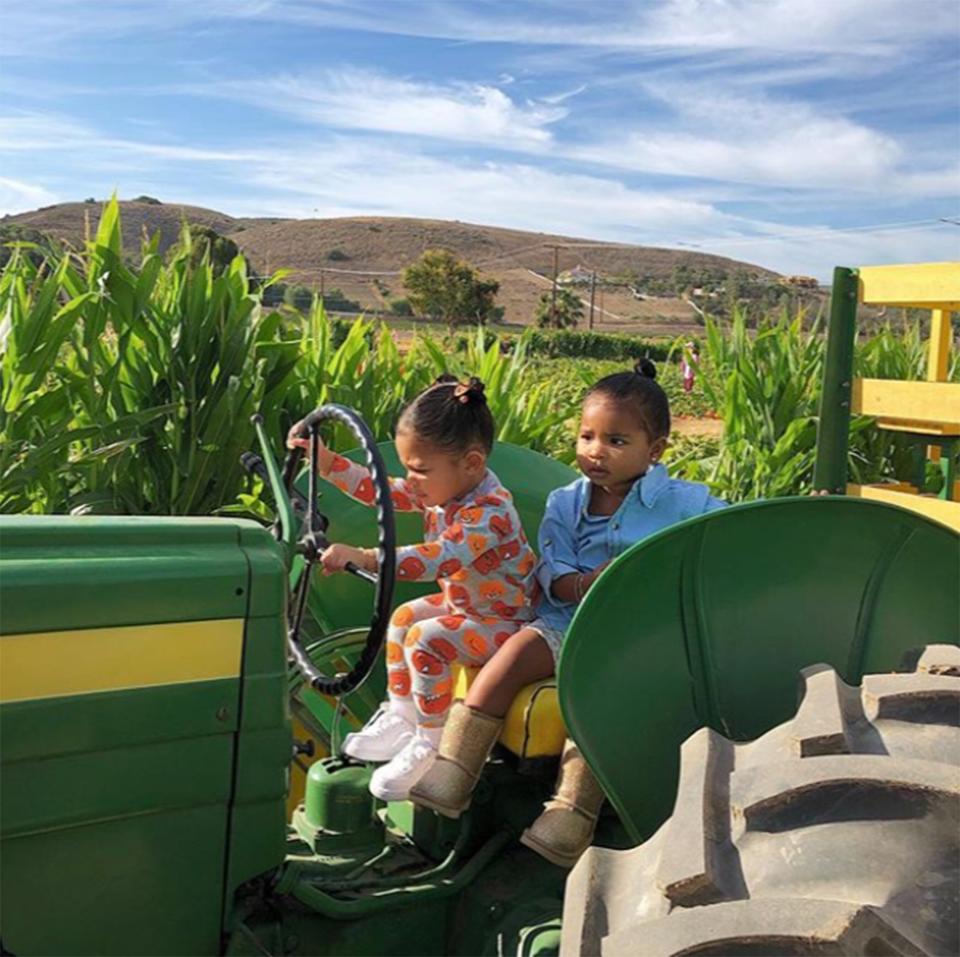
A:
{"points": [[468, 737], [565, 828]]}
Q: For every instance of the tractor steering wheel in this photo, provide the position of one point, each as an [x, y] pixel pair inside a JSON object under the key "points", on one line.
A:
{"points": [[312, 541]]}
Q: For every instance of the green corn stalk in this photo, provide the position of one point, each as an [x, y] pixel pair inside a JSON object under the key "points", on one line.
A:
{"points": [[766, 388]]}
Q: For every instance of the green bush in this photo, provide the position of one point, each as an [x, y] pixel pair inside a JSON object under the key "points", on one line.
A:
{"points": [[337, 256], [400, 307], [597, 345], [335, 299], [32, 243], [571, 344], [563, 311], [300, 297]]}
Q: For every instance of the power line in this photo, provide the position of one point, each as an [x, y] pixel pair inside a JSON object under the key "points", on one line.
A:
{"points": [[509, 254], [904, 226]]}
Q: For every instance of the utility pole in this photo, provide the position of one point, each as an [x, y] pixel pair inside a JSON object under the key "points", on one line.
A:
{"points": [[593, 293], [553, 291]]}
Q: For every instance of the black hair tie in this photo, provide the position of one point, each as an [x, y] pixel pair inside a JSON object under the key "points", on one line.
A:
{"points": [[471, 391], [645, 368]]}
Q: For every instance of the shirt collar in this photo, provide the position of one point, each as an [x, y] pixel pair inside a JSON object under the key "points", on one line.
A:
{"points": [[647, 488], [484, 487]]}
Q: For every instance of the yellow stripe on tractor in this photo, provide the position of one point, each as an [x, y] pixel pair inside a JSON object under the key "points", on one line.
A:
{"points": [[59, 663]]}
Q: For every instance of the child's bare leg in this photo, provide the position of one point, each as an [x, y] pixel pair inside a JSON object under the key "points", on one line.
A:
{"points": [[522, 659]]}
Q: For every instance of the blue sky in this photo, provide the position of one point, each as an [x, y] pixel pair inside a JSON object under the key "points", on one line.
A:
{"points": [[766, 130]]}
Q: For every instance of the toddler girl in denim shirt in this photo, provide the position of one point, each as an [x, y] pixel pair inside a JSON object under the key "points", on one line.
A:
{"points": [[625, 495]]}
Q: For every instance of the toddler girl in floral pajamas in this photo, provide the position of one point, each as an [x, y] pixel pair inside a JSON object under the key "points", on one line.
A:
{"points": [[474, 548]]}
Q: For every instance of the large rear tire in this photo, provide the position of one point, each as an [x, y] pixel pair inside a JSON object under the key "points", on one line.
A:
{"points": [[835, 833]]}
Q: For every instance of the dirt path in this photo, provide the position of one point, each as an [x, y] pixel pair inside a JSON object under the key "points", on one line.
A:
{"points": [[691, 425]]}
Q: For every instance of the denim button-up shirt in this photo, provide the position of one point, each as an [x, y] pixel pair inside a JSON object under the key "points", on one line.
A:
{"points": [[572, 540]]}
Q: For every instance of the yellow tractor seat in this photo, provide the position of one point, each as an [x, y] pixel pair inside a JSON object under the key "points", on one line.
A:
{"points": [[533, 727]]}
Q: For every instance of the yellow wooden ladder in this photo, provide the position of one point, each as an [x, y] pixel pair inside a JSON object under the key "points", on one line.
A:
{"points": [[928, 411]]}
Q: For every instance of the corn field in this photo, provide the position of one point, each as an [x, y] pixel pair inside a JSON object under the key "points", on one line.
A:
{"points": [[129, 389], [766, 387]]}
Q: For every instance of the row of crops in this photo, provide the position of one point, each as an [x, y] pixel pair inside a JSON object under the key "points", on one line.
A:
{"points": [[129, 388]]}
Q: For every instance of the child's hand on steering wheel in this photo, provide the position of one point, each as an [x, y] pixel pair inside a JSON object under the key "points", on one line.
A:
{"points": [[335, 558], [297, 441]]}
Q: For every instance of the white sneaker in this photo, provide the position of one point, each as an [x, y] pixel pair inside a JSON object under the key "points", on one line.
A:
{"points": [[383, 736], [393, 781]]}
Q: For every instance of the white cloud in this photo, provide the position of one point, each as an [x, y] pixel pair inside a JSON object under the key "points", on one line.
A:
{"points": [[569, 94], [362, 99], [30, 132], [24, 132], [816, 252], [59, 28], [766, 142], [346, 177], [342, 175], [731, 134], [17, 196], [864, 27], [849, 27]]}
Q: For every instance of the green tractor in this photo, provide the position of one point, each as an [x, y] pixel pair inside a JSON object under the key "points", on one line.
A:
{"points": [[173, 693]]}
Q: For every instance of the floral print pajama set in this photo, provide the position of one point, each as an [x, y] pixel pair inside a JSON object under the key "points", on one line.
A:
{"points": [[476, 550]]}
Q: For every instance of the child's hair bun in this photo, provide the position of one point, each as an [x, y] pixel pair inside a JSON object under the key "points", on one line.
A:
{"points": [[444, 377], [477, 388], [471, 391], [645, 368]]}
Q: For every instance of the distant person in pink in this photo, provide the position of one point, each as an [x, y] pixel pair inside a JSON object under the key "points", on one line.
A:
{"points": [[688, 365]]}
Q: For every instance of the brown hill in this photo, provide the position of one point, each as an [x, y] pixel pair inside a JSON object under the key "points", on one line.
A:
{"points": [[343, 253], [72, 222], [363, 256]]}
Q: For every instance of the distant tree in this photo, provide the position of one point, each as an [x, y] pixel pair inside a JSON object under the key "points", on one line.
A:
{"points": [[39, 245], [300, 297], [443, 287], [152, 200], [274, 294], [681, 279], [89, 199], [337, 255], [206, 241], [565, 314], [337, 300]]}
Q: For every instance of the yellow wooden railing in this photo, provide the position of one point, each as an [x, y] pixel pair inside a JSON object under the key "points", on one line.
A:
{"points": [[924, 408]]}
